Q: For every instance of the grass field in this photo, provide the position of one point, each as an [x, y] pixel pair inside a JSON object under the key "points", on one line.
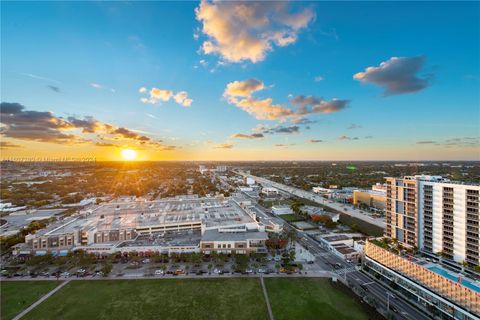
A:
{"points": [[156, 299], [17, 296], [291, 217], [311, 298]]}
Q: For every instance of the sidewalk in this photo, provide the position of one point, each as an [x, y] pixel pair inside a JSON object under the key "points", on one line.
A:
{"points": [[45, 297]]}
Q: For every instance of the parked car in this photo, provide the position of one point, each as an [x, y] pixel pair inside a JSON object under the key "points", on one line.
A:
{"points": [[179, 272], [159, 272]]}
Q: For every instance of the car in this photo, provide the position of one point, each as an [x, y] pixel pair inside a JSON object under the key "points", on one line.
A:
{"points": [[394, 309], [260, 270], [310, 262], [179, 272], [159, 272]]}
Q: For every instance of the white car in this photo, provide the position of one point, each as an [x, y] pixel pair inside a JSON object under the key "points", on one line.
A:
{"points": [[159, 272]]}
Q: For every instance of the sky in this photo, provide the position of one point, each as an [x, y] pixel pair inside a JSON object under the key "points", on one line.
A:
{"points": [[241, 80]]}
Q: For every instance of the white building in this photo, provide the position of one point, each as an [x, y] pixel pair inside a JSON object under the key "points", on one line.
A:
{"points": [[282, 209], [221, 168], [268, 191], [249, 181], [435, 215]]}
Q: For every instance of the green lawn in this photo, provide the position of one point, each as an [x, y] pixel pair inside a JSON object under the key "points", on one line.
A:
{"points": [[311, 298], [18, 295], [291, 217], [181, 299]]}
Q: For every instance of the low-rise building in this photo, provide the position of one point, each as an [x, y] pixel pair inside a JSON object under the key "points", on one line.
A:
{"points": [[268, 191], [370, 198], [163, 226], [311, 210], [230, 241], [281, 209]]}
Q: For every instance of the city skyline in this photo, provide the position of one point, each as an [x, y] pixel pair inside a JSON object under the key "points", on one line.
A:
{"points": [[241, 81]]}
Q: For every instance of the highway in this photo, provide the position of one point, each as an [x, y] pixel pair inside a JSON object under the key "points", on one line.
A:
{"points": [[372, 288], [318, 199]]}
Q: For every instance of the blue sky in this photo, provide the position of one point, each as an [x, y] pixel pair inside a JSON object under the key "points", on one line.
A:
{"points": [[98, 55]]}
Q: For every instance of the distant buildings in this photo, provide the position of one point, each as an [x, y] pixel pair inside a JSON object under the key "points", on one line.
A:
{"points": [[435, 215], [375, 198], [221, 168]]}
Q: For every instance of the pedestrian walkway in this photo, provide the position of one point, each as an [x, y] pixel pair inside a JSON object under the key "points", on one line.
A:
{"points": [[45, 297], [265, 294]]}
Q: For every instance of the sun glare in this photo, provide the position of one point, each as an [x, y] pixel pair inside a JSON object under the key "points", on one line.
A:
{"points": [[129, 154]]}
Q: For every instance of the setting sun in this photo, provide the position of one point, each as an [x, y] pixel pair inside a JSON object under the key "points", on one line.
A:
{"points": [[129, 154]]}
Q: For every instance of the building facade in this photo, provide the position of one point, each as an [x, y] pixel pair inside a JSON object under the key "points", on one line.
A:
{"points": [[443, 294], [436, 215]]}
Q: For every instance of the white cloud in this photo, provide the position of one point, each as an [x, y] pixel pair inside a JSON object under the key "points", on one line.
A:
{"points": [[240, 31], [239, 93], [156, 95], [318, 78], [182, 99]]}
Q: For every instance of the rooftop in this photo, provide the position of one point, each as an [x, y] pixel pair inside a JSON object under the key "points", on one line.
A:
{"points": [[215, 235]]}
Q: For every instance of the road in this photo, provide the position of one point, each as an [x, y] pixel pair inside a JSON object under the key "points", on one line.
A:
{"points": [[375, 290], [318, 199]]}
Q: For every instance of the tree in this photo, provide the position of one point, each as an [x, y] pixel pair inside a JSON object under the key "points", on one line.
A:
{"points": [[106, 268]]}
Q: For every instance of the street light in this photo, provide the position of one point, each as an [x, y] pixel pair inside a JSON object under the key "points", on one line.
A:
{"points": [[388, 300]]}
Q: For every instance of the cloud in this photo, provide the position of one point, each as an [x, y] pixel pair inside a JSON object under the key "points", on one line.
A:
{"points": [[54, 88], [247, 31], [44, 126], [151, 116], [282, 145], [239, 93], [303, 121], [19, 123], [33, 76], [283, 129], [354, 126], [182, 99], [312, 105], [318, 78], [168, 148], [462, 142], [398, 75], [347, 138], [315, 141], [106, 144], [8, 145], [248, 136], [243, 88], [156, 95], [101, 87], [224, 146]]}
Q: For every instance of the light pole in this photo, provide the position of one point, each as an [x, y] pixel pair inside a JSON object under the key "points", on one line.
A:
{"points": [[388, 300]]}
